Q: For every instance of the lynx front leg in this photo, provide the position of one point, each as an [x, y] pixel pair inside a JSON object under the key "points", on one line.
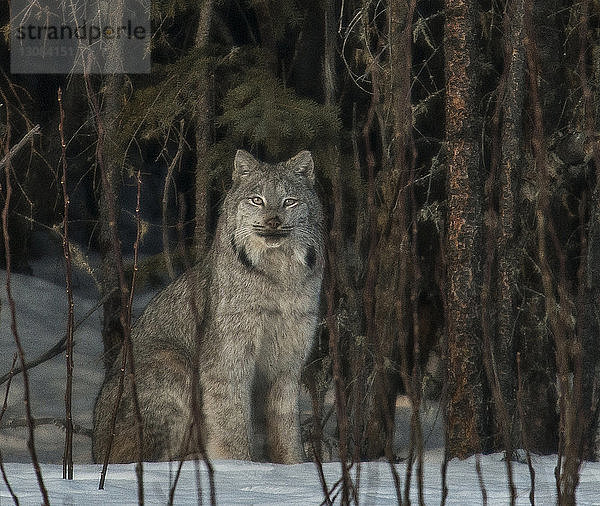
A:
{"points": [[226, 405], [283, 420]]}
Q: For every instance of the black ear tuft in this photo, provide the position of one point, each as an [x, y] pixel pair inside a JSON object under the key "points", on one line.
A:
{"points": [[243, 164], [303, 164]]}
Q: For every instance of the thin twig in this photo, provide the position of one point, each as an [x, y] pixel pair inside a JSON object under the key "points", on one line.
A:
{"points": [[402, 63], [316, 440], [480, 479], [58, 348], [524, 431], [165, 202], [567, 345], [590, 282], [440, 278], [13, 316], [175, 482], [2, 411], [5, 403], [127, 359], [200, 321], [129, 344], [68, 453], [322, 479], [17, 147], [185, 450], [491, 370], [444, 472], [37, 422], [7, 483], [186, 444], [340, 394]]}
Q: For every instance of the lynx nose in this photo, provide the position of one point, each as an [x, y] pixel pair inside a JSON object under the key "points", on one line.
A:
{"points": [[274, 222]]}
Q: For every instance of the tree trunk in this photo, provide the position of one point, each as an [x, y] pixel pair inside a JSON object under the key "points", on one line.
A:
{"points": [[589, 330], [589, 293], [107, 117], [466, 406], [539, 369], [112, 328], [511, 142], [204, 118], [549, 36], [390, 331]]}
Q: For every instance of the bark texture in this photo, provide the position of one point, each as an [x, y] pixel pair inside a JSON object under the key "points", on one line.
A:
{"points": [[204, 116], [466, 410], [510, 171], [112, 327]]}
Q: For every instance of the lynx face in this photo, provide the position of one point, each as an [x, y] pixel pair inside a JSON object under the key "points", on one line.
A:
{"points": [[275, 207]]}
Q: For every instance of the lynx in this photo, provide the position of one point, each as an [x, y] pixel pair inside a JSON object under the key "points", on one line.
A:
{"points": [[261, 281]]}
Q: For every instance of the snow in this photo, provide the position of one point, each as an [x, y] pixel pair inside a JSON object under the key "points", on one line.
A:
{"points": [[271, 484], [41, 316]]}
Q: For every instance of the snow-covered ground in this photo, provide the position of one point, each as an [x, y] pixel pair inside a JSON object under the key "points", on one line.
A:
{"points": [[41, 320], [260, 483]]}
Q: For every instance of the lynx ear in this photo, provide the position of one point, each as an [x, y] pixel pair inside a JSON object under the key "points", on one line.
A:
{"points": [[303, 164], [243, 164]]}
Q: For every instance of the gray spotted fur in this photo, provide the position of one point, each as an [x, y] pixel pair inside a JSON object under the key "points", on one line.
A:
{"points": [[263, 278]]}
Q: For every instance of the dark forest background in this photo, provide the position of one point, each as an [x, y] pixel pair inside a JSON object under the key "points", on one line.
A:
{"points": [[457, 148]]}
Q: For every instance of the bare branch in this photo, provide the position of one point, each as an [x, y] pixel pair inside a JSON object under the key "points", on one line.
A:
{"points": [[38, 422], [480, 479], [13, 316], [165, 201], [7, 483], [5, 403], [125, 312], [68, 454], [57, 349], [17, 147], [4, 406]]}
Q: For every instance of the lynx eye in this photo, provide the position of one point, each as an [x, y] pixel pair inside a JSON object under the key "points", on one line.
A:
{"points": [[290, 202], [257, 201]]}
